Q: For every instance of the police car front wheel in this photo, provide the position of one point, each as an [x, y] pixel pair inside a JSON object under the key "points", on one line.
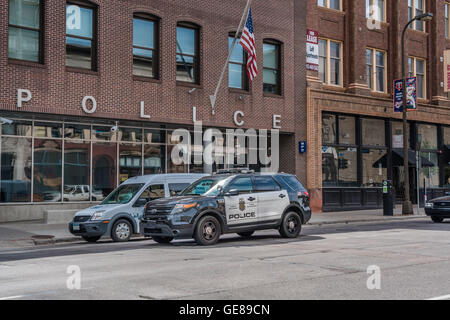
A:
{"points": [[207, 231], [291, 225]]}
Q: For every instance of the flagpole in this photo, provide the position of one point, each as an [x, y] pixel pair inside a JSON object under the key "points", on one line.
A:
{"points": [[213, 98]]}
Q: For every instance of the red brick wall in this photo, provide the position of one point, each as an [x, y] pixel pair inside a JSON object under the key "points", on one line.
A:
{"points": [[58, 91]]}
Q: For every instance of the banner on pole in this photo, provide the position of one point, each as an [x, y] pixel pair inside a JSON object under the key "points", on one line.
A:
{"points": [[411, 94]]}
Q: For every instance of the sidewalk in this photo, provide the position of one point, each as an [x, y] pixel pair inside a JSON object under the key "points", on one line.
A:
{"points": [[26, 234]]}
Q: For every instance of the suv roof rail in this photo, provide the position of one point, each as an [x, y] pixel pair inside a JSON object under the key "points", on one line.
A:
{"points": [[234, 170]]}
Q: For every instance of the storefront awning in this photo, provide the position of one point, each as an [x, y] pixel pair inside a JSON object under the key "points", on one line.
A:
{"points": [[397, 160]]}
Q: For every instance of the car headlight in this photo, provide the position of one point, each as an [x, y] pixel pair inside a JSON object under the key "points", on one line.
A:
{"points": [[183, 207], [97, 215], [429, 205]]}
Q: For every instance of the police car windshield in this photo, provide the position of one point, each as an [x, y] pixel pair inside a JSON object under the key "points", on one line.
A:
{"points": [[200, 187], [218, 187], [123, 194]]}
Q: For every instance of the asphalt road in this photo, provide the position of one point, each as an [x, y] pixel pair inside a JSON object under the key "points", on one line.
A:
{"points": [[326, 262]]}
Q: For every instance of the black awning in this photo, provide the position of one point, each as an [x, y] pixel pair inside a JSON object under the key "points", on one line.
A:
{"points": [[397, 160]]}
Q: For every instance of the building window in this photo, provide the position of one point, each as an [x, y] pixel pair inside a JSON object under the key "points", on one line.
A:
{"points": [[272, 67], [331, 4], [237, 68], [330, 62], [376, 70], [188, 44], [375, 10], [415, 8], [25, 34], [417, 68], [81, 35], [447, 23], [145, 46]]}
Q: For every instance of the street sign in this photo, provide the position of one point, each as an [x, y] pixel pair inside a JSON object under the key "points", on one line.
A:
{"points": [[411, 94], [302, 146], [312, 50]]}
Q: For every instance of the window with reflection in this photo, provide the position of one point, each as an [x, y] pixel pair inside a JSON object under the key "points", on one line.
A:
{"points": [[237, 68], [374, 167], [430, 172], [104, 155], [347, 130], [329, 128], [154, 159], [16, 163], [130, 161], [77, 131], [18, 128], [76, 170], [24, 30], [47, 176], [428, 134], [80, 35], [417, 69], [130, 134], [172, 166], [373, 132], [397, 135], [47, 130], [103, 133], [272, 67], [188, 53], [145, 46], [154, 136]]}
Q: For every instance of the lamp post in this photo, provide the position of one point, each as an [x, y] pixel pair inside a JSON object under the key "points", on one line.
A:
{"points": [[407, 205]]}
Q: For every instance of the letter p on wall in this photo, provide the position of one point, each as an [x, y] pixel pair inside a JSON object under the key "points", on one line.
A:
{"points": [[23, 95]]}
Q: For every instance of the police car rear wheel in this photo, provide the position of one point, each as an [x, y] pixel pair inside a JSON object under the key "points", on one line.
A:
{"points": [[246, 234], [207, 231], [291, 225], [162, 239]]}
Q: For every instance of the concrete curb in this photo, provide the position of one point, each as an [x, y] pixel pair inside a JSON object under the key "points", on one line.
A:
{"points": [[399, 218]]}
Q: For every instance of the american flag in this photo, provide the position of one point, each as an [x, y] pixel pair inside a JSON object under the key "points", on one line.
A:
{"points": [[248, 43]]}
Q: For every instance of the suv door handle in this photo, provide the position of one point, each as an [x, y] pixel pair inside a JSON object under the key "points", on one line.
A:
{"points": [[251, 199], [282, 196]]}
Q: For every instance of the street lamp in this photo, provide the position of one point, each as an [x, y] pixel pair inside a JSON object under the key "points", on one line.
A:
{"points": [[407, 205]]}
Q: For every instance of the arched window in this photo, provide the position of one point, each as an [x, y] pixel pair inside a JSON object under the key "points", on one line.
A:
{"points": [[188, 52], [145, 45]]}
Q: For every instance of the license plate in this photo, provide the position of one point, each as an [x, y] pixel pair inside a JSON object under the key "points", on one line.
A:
{"points": [[76, 226]]}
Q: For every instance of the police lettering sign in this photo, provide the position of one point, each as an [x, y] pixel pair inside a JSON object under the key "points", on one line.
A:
{"points": [[312, 50]]}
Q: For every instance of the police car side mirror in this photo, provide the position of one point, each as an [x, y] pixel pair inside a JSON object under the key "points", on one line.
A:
{"points": [[231, 193]]}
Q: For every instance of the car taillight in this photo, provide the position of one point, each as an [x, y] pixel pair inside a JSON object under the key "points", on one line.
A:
{"points": [[303, 194]]}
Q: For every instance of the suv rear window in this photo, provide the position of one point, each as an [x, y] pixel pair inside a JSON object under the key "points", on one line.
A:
{"points": [[265, 183], [290, 183]]}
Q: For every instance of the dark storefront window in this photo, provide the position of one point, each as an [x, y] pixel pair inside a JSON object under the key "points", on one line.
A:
{"points": [[329, 129], [339, 167], [346, 130], [25, 34], [374, 168], [47, 170], [397, 135], [428, 134], [80, 36], [145, 41], [429, 173], [16, 170], [155, 136], [373, 132], [188, 53]]}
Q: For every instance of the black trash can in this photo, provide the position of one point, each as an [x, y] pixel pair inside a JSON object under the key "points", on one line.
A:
{"points": [[388, 198]]}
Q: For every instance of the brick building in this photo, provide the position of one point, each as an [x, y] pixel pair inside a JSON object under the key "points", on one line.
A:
{"points": [[355, 137], [71, 71]]}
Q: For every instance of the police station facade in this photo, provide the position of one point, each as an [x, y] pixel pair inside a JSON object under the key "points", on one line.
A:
{"points": [[73, 72]]}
